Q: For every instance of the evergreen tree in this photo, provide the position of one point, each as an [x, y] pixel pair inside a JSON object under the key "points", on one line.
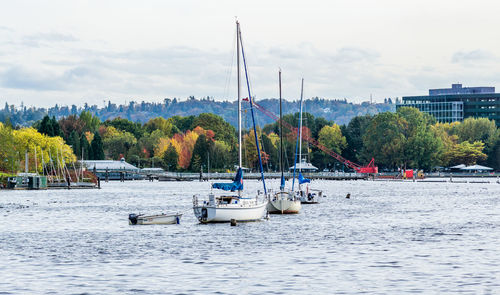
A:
{"points": [[201, 149], [85, 146], [74, 141], [97, 147], [170, 158], [354, 132], [46, 126], [56, 129], [196, 163]]}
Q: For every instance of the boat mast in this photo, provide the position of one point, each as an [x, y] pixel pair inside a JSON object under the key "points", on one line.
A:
{"points": [[281, 135], [250, 99], [239, 85], [300, 125]]}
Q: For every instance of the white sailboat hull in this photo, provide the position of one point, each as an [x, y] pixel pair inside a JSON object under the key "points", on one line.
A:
{"points": [[284, 207], [284, 203], [226, 212]]}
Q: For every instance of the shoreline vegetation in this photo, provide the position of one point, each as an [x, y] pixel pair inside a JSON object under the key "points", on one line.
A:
{"points": [[337, 110], [405, 139]]}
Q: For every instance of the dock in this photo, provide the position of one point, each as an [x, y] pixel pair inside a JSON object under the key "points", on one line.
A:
{"points": [[181, 176]]}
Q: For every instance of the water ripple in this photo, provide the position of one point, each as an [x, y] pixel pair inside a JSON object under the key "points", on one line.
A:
{"points": [[388, 238]]}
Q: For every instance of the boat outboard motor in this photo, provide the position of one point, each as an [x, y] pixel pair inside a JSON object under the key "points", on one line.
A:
{"points": [[132, 218]]}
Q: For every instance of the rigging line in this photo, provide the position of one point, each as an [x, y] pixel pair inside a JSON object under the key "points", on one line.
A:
{"points": [[263, 149], [253, 116], [282, 185], [243, 142], [285, 157], [229, 71], [299, 134], [307, 142]]}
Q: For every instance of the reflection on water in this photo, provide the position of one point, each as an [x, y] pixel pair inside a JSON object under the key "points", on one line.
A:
{"points": [[387, 238]]}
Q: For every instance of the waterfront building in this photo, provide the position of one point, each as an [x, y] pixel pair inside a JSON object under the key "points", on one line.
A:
{"points": [[113, 170], [457, 103]]}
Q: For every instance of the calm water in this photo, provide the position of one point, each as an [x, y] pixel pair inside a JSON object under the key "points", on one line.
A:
{"points": [[390, 237]]}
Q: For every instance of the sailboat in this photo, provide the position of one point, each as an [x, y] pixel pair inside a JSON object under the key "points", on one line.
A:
{"points": [[283, 202], [306, 195], [235, 205]]}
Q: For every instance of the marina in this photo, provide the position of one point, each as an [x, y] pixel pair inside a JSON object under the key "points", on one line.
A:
{"points": [[264, 147], [404, 236]]}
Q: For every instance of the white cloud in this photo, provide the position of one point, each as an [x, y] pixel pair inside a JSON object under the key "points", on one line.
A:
{"points": [[473, 57], [62, 51]]}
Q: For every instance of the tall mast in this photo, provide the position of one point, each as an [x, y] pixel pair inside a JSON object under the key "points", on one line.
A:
{"points": [[281, 131], [239, 84], [253, 116], [300, 124]]}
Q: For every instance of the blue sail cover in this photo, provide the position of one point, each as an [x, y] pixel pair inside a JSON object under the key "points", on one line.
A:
{"points": [[236, 185], [302, 179], [282, 185]]}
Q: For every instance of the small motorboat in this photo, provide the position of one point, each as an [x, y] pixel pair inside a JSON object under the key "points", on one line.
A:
{"points": [[172, 218], [309, 196]]}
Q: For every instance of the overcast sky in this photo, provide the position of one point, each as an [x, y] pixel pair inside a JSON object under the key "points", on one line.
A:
{"points": [[71, 52]]}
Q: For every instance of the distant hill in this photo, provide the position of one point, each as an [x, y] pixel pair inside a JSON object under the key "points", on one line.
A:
{"points": [[338, 111]]}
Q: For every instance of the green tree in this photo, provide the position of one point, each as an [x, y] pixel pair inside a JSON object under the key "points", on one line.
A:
{"points": [[97, 147], [480, 129], [85, 146], [149, 141], [201, 150], [170, 158], [74, 142], [118, 144], [319, 123], [272, 151], [196, 163], [250, 156], [423, 149], [90, 122], [182, 123], [467, 153], [220, 155], [385, 140], [8, 151], [475, 129], [494, 153], [160, 123], [125, 125], [222, 129], [331, 137], [46, 126], [353, 133], [56, 129], [416, 120]]}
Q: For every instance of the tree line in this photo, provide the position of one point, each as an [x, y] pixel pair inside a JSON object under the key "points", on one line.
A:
{"points": [[406, 138], [338, 110]]}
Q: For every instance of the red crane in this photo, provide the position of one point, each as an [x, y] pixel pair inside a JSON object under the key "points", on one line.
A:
{"points": [[370, 168]]}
